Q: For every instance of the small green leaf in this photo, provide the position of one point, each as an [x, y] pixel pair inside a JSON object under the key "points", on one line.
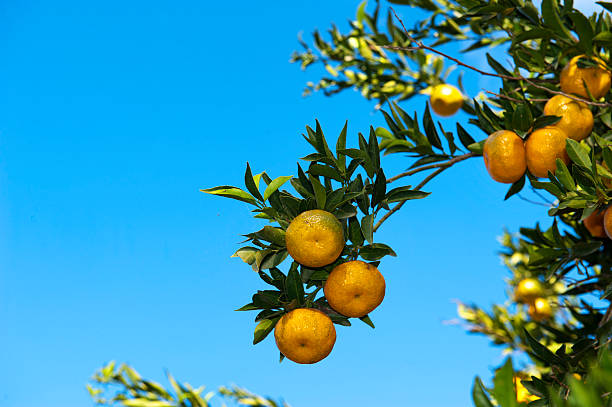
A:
{"points": [[479, 395], [274, 185], [578, 153], [319, 191], [405, 193], [294, 285], [366, 319], [564, 176], [263, 329], [367, 227], [249, 181], [515, 188], [229, 191]]}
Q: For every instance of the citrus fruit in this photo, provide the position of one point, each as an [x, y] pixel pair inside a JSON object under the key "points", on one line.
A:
{"points": [[314, 238], [504, 156], [596, 78], [576, 117], [305, 335], [446, 100], [607, 222], [595, 224], [354, 288], [527, 290], [540, 310], [542, 149], [522, 394]]}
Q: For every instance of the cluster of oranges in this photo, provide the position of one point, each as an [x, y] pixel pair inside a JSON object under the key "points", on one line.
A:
{"points": [[530, 291], [315, 239], [507, 157]]}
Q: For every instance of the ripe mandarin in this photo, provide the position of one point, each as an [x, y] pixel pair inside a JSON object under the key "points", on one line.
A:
{"points": [[607, 222], [597, 78], [354, 288], [542, 149], [595, 224], [540, 310], [576, 117], [504, 156], [305, 335], [527, 290], [446, 100], [315, 238]]}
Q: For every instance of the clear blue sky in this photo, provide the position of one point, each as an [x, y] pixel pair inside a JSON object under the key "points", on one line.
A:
{"points": [[112, 116]]}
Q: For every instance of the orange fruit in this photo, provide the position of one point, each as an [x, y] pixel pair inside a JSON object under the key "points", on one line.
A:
{"points": [[595, 224], [607, 222], [354, 288], [527, 290], [540, 310], [305, 335], [314, 238], [597, 78], [504, 156], [522, 394], [576, 117], [607, 181], [446, 100], [542, 149]]}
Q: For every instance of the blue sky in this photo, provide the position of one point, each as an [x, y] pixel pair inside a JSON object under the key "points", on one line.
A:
{"points": [[112, 116]]}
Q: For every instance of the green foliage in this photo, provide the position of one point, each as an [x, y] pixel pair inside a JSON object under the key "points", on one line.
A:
{"points": [[122, 386]]}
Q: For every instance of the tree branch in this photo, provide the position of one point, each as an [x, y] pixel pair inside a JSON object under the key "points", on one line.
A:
{"points": [[431, 166], [420, 45]]}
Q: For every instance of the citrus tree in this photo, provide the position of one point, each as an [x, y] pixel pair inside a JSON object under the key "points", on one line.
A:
{"points": [[547, 128]]}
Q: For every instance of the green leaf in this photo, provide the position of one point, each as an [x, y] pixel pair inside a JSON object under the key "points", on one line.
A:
{"points": [[478, 147], [367, 320], [564, 176], [479, 395], [605, 4], [249, 181], [341, 145], [294, 286], [355, 234], [578, 153], [541, 352], [504, 385], [515, 188], [247, 254], [404, 194], [229, 191], [262, 329], [376, 251], [583, 28], [544, 121], [464, 136], [430, 129], [274, 185], [380, 188], [522, 118], [319, 191], [367, 227], [604, 37], [552, 18]]}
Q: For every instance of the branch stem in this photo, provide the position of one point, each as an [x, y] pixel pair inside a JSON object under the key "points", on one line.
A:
{"points": [[421, 45]]}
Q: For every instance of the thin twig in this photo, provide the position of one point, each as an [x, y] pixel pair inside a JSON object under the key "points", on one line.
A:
{"points": [[431, 166], [533, 202], [399, 205], [420, 45], [514, 99]]}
